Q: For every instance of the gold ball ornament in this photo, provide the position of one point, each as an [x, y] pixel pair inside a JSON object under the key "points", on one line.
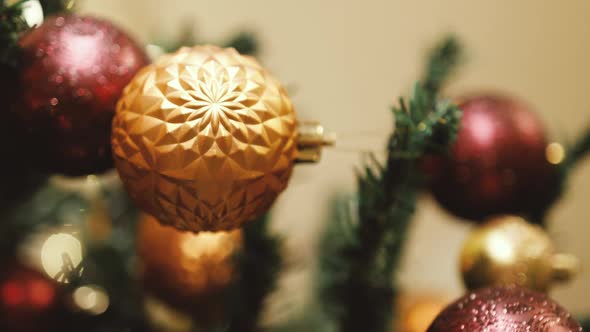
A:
{"points": [[188, 271], [416, 313], [205, 139], [508, 251]]}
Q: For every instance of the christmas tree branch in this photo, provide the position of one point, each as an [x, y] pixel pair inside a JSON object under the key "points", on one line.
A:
{"points": [[244, 42], [578, 151], [12, 25], [362, 249], [440, 65], [585, 323], [51, 7], [259, 264], [574, 155]]}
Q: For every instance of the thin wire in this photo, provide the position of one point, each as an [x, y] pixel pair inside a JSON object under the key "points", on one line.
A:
{"points": [[356, 150]]}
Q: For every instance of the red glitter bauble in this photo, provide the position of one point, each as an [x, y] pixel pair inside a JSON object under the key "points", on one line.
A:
{"points": [[504, 310], [498, 164], [28, 300], [73, 72]]}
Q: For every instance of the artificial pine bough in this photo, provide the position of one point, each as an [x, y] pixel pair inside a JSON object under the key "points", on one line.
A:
{"points": [[363, 245]]}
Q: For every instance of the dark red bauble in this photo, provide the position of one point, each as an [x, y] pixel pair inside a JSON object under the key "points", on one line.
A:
{"points": [[504, 310], [497, 164], [73, 71], [29, 301]]}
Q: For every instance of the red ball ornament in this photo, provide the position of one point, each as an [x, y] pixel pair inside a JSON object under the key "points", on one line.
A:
{"points": [[497, 164], [28, 300], [504, 310], [73, 72]]}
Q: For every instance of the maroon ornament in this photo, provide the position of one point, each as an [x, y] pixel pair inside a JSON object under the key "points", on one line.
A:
{"points": [[28, 300], [504, 310], [73, 71], [497, 164]]}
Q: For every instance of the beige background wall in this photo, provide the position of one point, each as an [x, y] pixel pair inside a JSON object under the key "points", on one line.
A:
{"points": [[345, 61]]}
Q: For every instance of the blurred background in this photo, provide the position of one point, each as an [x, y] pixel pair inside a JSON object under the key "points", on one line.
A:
{"points": [[344, 62]]}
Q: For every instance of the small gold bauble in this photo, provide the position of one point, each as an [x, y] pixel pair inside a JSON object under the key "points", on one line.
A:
{"points": [[508, 251], [205, 139], [187, 271], [416, 313]]}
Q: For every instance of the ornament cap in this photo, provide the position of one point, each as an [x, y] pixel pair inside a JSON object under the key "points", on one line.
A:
{"points": [[565, 267], [310, 141]]}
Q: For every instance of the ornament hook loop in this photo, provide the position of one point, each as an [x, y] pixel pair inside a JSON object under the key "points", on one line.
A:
{"points": [[310, 141]]}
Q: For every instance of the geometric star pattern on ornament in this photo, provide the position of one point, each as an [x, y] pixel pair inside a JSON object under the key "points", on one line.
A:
{"points": [[204, 139]]}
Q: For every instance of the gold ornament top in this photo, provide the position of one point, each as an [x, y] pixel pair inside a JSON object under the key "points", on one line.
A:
{"points": [[205, 139], [508, 251]]}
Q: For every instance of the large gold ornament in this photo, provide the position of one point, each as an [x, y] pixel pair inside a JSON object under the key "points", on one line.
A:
{"points": [[188, 271], [508, 251], [205, 139]]}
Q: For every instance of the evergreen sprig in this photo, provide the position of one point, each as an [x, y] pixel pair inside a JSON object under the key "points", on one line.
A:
{"points": [[259, 264], [575, 154], [51, 7], [244, 42], [585, 323], [361, 250], [12, 25]]}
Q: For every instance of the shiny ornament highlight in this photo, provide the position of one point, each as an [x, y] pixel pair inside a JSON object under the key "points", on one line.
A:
{"points": [[205, 139], [504, 310], [188, 271], [508, 251], [497, 163], [73, 71]]}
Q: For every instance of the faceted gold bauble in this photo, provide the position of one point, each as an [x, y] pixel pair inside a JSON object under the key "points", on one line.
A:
{"points": [[508, 251], [188, 271], [204, 139]]}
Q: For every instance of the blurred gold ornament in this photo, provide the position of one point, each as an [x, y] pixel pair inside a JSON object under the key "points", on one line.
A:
{"points": [[416, 313], [205, 139], [508, 251], [188, 271]]}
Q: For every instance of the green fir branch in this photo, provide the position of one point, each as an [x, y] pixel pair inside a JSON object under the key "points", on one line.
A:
{"points": [[575, 154], [585, 323], [244, 42], [361, 250], [578, 151], [259, 264], [443, 60], [12, 25], [51, 7]]}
